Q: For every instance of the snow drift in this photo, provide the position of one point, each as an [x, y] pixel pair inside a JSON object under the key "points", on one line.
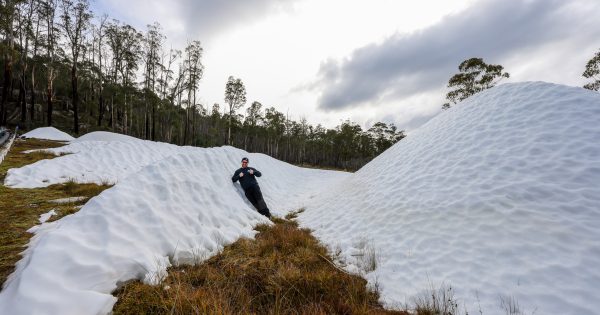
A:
{"points": [[496, 197], [48, 133], [170, 205]]}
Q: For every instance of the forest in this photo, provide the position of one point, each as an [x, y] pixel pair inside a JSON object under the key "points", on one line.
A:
{"points": [[65, 67]]}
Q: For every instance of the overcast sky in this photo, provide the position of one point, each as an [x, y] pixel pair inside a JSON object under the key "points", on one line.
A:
{"points": [[368, 61]]}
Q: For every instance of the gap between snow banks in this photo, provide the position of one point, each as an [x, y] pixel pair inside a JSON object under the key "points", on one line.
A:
{"points": [[173, 210]]}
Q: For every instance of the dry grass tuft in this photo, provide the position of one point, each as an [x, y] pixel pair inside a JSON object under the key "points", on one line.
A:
{"points": [[283, 271]]}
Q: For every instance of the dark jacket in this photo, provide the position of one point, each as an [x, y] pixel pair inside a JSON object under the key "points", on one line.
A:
{"points": [[248, 180]]}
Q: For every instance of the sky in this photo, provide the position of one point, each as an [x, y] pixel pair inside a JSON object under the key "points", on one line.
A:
{"points": [[368, 61]]}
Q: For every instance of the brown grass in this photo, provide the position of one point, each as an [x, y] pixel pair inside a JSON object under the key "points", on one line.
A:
{"points": [[21, 208], [283, 271]]}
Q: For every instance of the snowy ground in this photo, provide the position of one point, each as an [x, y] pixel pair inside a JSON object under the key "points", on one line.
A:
{"points": [[497, 197]]}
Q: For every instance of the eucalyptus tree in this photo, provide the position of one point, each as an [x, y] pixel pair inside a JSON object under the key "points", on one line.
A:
{"points": [[23, 17], [254, 118], [235, 97], [48, 9], [124, 42], [194, 71], [152, 45], [36, 39], [7, 15], [26, 12], [75, 18], [99, 34], [475, 76], [592, 71]]}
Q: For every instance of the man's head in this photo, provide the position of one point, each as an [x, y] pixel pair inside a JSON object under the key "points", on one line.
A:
{"points": [[244, 162]]}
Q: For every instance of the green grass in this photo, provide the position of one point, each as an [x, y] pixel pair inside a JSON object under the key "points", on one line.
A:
{"points": [[20, 208]]}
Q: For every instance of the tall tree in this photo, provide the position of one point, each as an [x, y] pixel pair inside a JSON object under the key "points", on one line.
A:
{"points": [[592, 71], [195, 70], [235, 97], [37, 24], [48, 11], [25, 33], [99, 30], [7, 15], [153, 41], [475, 76], [75, 19]]}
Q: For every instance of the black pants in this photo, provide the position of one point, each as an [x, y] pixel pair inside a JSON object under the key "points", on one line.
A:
{"points": [[255, 197]]}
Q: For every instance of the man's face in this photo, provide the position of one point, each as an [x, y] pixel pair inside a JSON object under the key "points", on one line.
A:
{"points": [[244, 164]]}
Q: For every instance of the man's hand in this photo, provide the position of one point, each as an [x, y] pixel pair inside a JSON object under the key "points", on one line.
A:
{"points": [[241, 174], [251, 172]]}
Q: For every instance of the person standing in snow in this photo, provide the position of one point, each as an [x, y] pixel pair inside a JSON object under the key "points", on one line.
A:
{"points": [[247, 177]]}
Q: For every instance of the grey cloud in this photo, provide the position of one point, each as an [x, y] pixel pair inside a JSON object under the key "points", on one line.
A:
{"points": [[408, 64], [205, 19]]}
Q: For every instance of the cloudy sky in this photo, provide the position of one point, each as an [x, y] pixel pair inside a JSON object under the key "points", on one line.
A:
{"points": [[368, 61]]}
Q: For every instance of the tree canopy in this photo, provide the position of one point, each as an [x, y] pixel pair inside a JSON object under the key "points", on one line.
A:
{"points": [[592, 71], [475, 76]]}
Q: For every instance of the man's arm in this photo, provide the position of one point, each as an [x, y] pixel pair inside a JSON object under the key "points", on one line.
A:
{"points": [[257, 173], [236, 176]]}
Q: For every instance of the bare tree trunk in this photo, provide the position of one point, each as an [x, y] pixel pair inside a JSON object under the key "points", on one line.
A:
{"points": [[75, 98], [49, 93], [22, 98], [32, 109]]}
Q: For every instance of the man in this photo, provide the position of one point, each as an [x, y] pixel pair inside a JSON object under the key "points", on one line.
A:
{"points": [[247, 177]]}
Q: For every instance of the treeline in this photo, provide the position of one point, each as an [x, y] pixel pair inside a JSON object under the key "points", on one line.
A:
{"points": [[63, 64]]}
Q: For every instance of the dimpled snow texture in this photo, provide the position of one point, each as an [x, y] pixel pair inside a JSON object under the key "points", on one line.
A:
{"points": [[497, 197]]}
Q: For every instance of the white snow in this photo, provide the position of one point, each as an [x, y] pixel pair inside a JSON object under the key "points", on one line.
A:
{"points": [[170, 204], [48, 133], [104, 136], [46, 216], [497, 197]]}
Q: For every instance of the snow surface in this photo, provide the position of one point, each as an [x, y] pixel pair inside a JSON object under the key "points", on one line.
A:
{"points": [[48, 133], [498, 196], [170, 205], [46, 216]]}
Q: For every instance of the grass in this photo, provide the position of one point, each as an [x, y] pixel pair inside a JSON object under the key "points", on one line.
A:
{"points": [[284, 270], [20, 208]]}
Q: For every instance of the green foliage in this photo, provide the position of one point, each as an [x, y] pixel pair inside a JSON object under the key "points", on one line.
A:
{"points": [[592, 71], [475, 76]]}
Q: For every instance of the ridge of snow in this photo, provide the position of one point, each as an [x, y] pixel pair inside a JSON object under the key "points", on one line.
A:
{"points": [[180, 207], [48, 133], [105, 136], [497, 196]]}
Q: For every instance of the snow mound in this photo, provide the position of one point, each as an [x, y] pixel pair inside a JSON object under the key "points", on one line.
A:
{"points": [[98, 162], [171, 205], [498, 197], [105, 136], [48, 133]]}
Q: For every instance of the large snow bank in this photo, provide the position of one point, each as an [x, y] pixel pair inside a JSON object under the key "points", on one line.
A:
{"points": [[498, 197], [170, 205], [48, 133]]}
